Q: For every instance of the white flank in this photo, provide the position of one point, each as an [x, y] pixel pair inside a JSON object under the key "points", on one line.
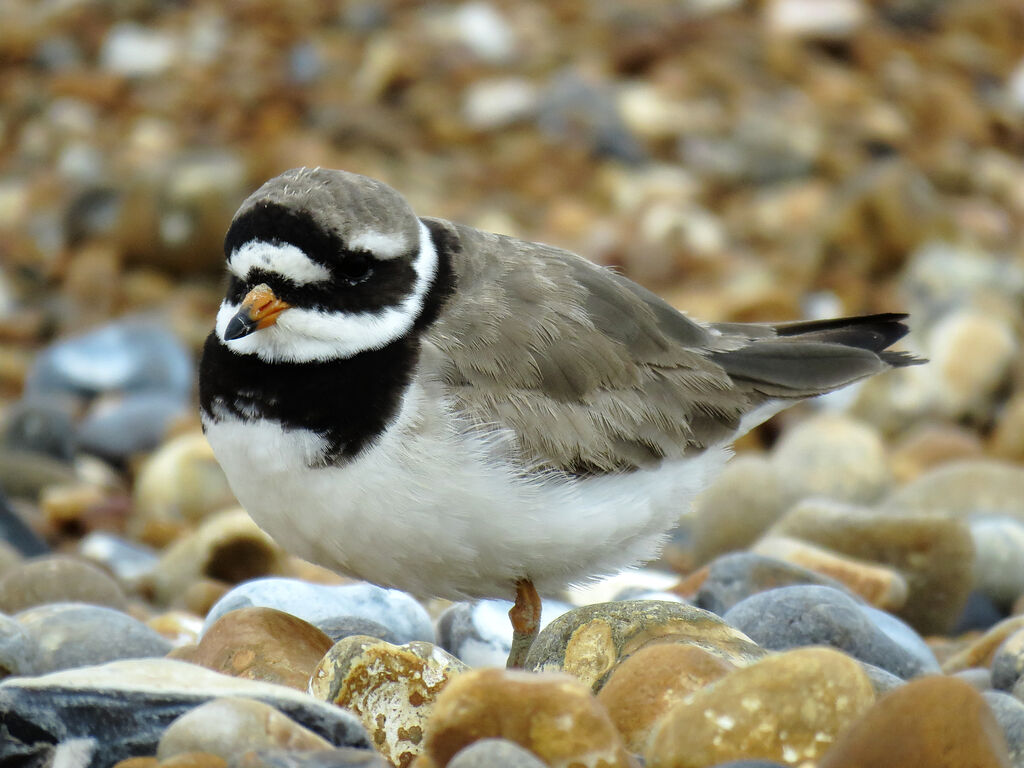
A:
{"points": [[381, 244], [286, 260], [303, 335]]}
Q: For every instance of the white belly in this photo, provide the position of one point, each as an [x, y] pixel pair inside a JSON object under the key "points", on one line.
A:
{"points": [[435, 511]]}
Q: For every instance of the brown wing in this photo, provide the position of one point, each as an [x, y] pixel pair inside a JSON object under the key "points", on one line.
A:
{"points": [[591, 372]]}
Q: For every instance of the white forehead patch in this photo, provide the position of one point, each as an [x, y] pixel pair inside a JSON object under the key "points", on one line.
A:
{"points": [[383, 245], [303, 335], [285, 259]]}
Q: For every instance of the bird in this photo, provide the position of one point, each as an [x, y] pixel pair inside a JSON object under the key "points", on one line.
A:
{"points": [[459, 414]]}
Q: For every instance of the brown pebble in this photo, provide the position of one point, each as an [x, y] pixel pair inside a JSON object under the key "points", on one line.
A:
{"points": [[647, 684], [979, 652], [194, 760], [553, 715], [263, 644], [58, 579], [939, 722]]}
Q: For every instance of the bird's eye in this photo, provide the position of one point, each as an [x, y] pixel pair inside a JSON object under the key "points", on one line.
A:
{"points": [[355, 268]]}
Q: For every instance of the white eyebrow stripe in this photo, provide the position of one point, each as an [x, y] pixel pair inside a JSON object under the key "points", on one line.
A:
{"points": [[382, 245], [285, 259]]}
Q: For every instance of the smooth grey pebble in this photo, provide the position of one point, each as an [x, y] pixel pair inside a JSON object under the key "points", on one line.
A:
{"points": [[1009, 714], [18, 649], [495, 753]]}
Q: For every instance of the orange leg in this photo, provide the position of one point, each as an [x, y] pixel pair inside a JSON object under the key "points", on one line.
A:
{"points": [[525, 616]]}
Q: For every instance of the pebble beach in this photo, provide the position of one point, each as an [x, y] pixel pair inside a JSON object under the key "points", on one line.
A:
{"points": [[848, 593]]}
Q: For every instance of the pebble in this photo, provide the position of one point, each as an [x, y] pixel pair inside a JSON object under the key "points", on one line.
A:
{"points": [[1009, 713], [123, 708], [24, 474], [1008, 662], [492, 753], [935, 554], [478, 632], [346, 757], [552, 715], [734, 577], [962, 489], [41, 425], [181, 628], [230, 726], [789, 617], [127, 560], [929, 446], [392, 688], [331, 607], [980, 651], [999, 557], [589, 642], [741, 503], [17, 539], [815, 19], [57, 579], [644, 686], [70, 635], [262, 644], [880, 586], [788, 707], [226, 546], [18, 649], [177, 486], [120, 426], [137, 51], [832, 456], [941, 722]]}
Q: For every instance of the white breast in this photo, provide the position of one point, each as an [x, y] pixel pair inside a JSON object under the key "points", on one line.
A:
{"points": [[434, 509]]}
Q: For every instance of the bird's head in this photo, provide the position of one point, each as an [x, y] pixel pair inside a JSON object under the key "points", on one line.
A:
{"points": [[322, 265]]}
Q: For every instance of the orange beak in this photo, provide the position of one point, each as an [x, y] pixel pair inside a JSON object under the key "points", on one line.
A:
{"points": [[260, 309]]}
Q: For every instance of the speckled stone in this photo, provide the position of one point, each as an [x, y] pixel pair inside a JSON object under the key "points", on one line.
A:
{"points": [[263, 644], [78, 635], [647, 684], [227, 727], [391, 688], [552, 715], [940, 722], [883, 587], [227, 546], [802, 615], [588, 642], [788, 707], [935, 554], [57, 579]]}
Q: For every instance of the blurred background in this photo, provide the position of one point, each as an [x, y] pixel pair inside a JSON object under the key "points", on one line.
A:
{"points": [[749, 160]]}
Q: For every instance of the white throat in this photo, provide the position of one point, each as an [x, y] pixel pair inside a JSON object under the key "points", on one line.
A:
{"points": [[306, 335]]}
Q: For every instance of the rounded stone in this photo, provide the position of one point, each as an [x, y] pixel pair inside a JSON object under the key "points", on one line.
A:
{"points": [[391, 688], [962, 489], [553, 716], [331, 608], [1009, 713], [788, 707], [263, 644], [1008, 662], [478, 632], [941, 722], [803, 615], [177, 486], [230, 726], [930, 445], [57, 579], [981, 651], [880, 586], [734, 577], [832, 456], [71, 635], [741, 503], [495, 753], [999, 557], [227, 547], [650, 682], [935, 554], [588, 642], [18, 649]]}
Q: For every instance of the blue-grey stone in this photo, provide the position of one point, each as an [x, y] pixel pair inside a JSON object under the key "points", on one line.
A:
{"points": [[128, 560], [881, 680], [905, 637], [495, 753], [1009, 713], [41, 425], [332, 607], [18, 649], [16, 532], [125, 706], [480, 633], [344, 757], [791, 617], [78, 635], [1008, 662], [130, 423], [133, 354]]}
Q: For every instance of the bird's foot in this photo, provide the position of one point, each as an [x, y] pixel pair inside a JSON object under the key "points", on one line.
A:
{"points": [[525, 616]]}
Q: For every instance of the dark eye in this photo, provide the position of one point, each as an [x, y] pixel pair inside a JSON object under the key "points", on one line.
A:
{"points": [[355, 268]]}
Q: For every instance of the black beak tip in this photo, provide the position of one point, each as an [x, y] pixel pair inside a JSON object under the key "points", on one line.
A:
{"points": [[238, 326]]}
